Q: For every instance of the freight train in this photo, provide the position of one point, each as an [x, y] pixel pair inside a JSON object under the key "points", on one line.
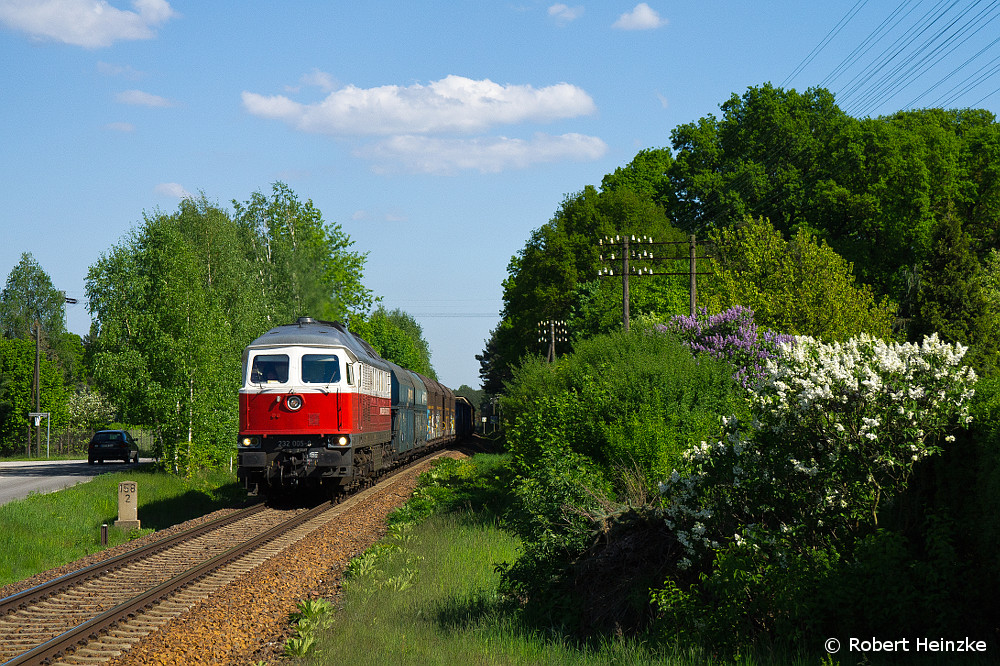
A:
{"points": [[320, 409]]}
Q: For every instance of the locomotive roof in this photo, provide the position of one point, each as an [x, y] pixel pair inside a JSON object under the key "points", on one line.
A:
{"points": [[311, 332]]}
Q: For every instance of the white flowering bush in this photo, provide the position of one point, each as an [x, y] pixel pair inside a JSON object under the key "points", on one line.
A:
{"points": [[835, 433], [766, 516]]}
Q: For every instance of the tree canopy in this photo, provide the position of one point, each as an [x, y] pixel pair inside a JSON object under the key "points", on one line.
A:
{"points": [[798, 286], [396, 336], [877, 224], [304, 266], [555, 275], [29, 296], [176, 302]]}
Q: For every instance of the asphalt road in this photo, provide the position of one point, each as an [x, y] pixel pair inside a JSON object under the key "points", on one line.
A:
{"points": [[18, 479]]}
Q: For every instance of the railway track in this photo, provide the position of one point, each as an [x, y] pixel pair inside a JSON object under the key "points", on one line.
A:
{"points": [[95, 614]]}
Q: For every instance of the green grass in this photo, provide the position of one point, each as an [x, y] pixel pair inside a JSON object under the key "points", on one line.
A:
{"points": [[20, 457], [45, 531], [428, 592]]}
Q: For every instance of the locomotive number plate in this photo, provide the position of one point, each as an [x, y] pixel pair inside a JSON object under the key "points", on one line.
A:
{"points": [[291, 443]]}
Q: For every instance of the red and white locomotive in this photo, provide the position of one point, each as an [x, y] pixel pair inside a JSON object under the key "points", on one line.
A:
{"points": [[319, 407]]}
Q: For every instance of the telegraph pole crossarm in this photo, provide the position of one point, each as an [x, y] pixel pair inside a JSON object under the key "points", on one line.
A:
{"points": [[552, 331], [644, 256]]}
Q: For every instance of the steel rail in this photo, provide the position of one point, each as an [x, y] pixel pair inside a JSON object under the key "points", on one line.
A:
{"points": [[77, 637], [58, 646], [27, 597]]}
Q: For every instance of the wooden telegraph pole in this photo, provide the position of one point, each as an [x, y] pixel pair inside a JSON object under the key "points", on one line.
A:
{"points": [[552, 331], [638, 258]]}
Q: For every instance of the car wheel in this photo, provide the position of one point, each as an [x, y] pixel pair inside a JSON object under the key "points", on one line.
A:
{"points": [[90, 461]]}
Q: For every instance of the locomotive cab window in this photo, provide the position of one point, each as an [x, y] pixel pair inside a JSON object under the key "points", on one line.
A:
{"points": [[269, 368], [320, 369]]}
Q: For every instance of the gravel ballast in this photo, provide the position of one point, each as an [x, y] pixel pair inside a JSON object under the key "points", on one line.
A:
{"points": [[246, 622]]}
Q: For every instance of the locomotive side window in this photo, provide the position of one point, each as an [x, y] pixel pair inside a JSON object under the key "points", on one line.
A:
{"points": [[269, 368], [320, 369]]}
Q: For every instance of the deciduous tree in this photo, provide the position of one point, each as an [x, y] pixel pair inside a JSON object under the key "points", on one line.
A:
{"points": [[799, 286]]}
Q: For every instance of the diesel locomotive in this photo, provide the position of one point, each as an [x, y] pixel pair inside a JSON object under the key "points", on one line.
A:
{"points": [[319, 408]]}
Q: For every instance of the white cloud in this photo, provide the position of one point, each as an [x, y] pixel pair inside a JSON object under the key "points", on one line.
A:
{"points": [[488, 154], [643, 17], [120, 71], [140, 98], [319, 79], [563, 14], [175, 190], [125, 128], [453, 104], [87, 23], [314, 79]]}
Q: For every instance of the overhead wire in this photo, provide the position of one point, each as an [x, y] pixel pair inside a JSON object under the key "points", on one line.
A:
{"points": [[963, 86], [834, 31], [947, 45], [870, 42], [862, 81], [885, 77]]}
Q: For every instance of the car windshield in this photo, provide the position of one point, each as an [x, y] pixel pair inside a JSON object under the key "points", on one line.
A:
{"points": [[320, 369], [108, 437], [269, 368]]}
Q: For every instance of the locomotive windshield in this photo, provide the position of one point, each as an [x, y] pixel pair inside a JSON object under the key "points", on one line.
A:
{"points": [[320, 369], [269, 368]]}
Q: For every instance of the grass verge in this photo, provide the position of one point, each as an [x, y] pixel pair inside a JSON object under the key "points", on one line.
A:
{"points": [[41, 532], [428, 592]]}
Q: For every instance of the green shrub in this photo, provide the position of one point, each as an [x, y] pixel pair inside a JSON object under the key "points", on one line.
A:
{"points": [[778, 519], [588, 436], [623, 399]]}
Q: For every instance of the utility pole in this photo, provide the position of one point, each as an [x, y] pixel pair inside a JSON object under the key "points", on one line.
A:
{"points": [[645, 257], [694, 275], [38, 391], [552, 331]]}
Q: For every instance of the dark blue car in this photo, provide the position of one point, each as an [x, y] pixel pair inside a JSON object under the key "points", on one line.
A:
{"points": [[112, 445]]}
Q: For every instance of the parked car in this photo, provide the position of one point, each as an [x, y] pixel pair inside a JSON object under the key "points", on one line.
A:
{"points": [[112, 445]]}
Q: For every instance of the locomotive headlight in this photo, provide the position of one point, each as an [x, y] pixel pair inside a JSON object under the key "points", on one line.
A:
{"points": [[293, 402], [250, 441], [338, 440]]}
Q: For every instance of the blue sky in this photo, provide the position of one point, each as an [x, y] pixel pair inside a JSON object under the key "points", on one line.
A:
{"points": [[437, 134]]}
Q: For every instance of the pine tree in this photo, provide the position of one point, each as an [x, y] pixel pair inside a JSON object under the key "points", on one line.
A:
{"points": [[952, 302]]}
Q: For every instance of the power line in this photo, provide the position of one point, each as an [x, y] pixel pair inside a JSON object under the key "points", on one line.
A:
{"points": [[834, 31], [936, 34]]}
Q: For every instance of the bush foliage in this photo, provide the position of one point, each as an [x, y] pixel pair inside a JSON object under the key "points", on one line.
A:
{"points": [[778, 507], [592, 430], [842, 470]]}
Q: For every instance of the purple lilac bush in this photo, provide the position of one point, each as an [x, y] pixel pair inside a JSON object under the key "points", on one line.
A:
{"points": [[731, 335]]}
